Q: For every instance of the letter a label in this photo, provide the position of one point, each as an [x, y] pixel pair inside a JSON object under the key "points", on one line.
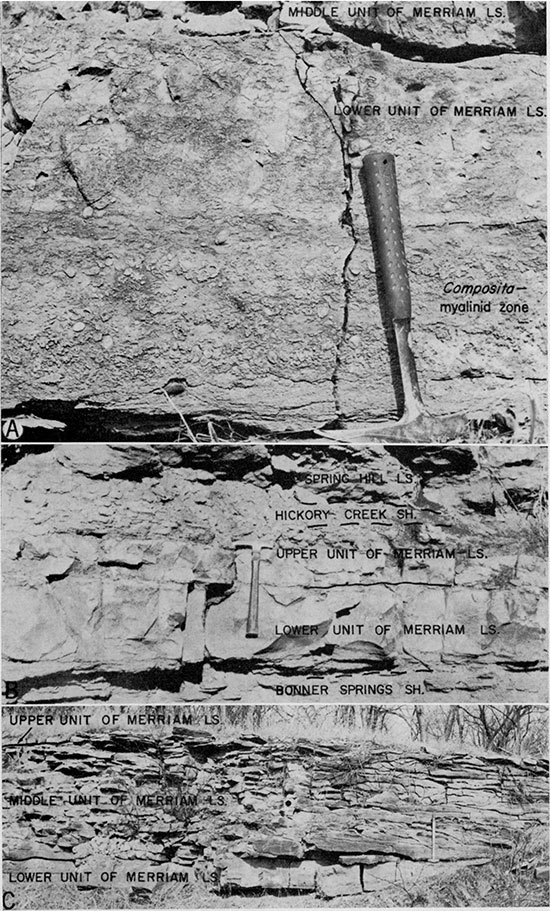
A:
{"points": [[12, 430]]}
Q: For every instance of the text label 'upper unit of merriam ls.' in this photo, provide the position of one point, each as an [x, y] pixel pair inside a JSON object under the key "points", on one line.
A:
{"points": [[274, 573], [388, 805]]}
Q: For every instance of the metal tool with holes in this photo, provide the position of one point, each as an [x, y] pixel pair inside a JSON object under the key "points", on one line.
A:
{"points": [[253, 617], [383, 202]]}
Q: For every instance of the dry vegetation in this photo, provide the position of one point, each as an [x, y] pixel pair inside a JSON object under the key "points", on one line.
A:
{"points": [[513, 729], [508, 882], [512, 879]]}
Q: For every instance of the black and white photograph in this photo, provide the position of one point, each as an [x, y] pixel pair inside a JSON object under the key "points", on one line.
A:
{"points": [[259, 574], [276, 806], [269, 221], [274, 466]]}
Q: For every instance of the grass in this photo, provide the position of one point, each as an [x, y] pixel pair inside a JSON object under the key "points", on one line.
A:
{"points": [[360, 725], [508, 881], [68, 896], [509, 422], [530, 526], [32, 898]]}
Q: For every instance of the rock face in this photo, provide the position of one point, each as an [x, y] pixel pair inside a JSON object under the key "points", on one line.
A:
{"points": [[188, 216], [127, 573], [518, 28], [239, 813], [185, 210]]}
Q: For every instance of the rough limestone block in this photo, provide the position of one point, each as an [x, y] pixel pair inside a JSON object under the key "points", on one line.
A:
{"points": [[440, 569], [155, 266], [35, 632], [425, 607], [276, 845], [172, 606], [302, 876], [231, 23], [509, 605], [109, 461], [338, 880], [193, 635], [269, 874], [337, 841], [226, 624], [490, 572], [469, 609], [123, 553], [530, 571]]}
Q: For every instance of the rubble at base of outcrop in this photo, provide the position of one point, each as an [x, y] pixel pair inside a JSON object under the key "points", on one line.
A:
{"points": [[243, 813], [126, 569]]}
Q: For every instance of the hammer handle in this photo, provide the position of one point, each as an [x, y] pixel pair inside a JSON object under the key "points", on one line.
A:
{"points": [[254, 598], [381, 183]]}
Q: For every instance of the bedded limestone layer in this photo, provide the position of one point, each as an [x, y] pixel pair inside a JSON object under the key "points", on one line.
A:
{"points": [[186, 207], [243, 813], [129, 568]]}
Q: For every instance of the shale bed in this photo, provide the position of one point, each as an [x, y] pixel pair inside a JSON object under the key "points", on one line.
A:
{"points": [[176, 815], [402, 573]]}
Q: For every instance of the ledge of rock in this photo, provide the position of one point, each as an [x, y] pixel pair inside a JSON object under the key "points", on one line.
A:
{"points": [[127, 570], [448, 33], [239, 813], [196, 206]]}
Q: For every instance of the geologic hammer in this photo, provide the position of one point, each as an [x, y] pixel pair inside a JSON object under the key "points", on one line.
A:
{"points": [[415, 423], [252, 620]]}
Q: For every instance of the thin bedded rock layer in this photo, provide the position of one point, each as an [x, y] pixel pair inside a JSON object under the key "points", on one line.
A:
{"points": [[241, 813], [129, 568]]}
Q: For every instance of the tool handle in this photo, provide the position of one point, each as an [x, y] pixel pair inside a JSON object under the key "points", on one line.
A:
{"points": [[381, 183], [254, 599]]}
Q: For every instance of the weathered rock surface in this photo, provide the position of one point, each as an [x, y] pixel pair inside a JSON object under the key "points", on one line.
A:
{"points": [[185, 210], [127, 570], [180, 802], [186, 198], [449, 33], [460, 226]]}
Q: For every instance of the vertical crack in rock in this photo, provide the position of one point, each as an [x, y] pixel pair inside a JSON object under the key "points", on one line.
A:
{"points": [[302, 68], [347, 219], [71, 170]]}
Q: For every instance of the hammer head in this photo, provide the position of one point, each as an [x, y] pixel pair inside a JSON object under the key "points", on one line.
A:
{"points": [[252, 620], [255, 545]]}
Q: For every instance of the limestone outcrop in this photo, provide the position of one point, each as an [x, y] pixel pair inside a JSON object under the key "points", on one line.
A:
{"points": [[184, 211], [127, 572], [241, 813]]}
